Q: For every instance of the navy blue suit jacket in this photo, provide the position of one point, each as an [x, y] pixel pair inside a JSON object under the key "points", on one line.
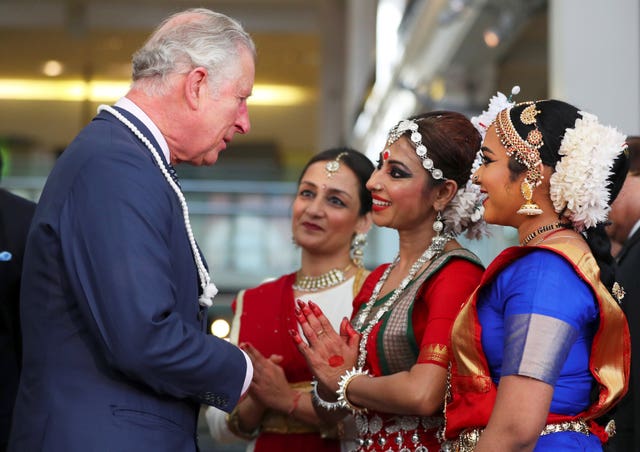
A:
{"points": [[15, 217], [115, 352]]}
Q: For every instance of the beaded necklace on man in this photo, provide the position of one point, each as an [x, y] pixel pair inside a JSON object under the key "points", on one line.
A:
{"points": [[209, 289]]}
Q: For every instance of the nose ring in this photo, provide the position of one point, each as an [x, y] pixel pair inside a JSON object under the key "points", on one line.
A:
{"points": [[474, 179]]}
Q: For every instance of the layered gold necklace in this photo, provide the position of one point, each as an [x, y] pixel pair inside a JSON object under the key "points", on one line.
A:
{"points": [[326, 280]]}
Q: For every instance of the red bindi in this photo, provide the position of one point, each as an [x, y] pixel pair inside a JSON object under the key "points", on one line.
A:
{"points": [[386, 154]]}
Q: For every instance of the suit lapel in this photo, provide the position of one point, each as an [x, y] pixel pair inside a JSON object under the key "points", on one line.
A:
{"points": [[143, 129], [628, 244]]}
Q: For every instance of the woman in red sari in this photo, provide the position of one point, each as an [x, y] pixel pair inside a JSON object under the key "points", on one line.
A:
{"points": [[389, 364], [330, 215]]}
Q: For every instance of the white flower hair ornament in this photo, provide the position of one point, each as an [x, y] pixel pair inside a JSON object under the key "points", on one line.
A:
{"points": [[465, 211], [496, 104], [579, 183]]}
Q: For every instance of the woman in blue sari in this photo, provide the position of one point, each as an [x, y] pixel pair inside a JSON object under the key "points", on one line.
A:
{"points": [[541, 350]]}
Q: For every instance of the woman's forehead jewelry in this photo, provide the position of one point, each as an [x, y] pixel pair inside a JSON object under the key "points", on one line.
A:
{"points": [[332, 166], [386, 154], [409, 125], [525, 151]]}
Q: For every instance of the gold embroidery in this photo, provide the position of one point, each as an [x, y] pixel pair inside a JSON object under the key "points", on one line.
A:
{"points": [[434, 352]]}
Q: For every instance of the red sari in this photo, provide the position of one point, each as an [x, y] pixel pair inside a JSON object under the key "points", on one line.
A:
{"points": [[266, 318], [415, 330]]}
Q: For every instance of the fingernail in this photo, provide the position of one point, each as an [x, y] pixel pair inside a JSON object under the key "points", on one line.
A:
{"points": [[315, 309], [299, 316], [296, 337]]}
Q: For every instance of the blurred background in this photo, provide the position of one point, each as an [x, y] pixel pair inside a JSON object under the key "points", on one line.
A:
{"points": [[329, 72]]}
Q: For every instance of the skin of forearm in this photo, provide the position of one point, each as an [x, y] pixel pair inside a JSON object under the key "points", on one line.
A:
{"points": [[400, 393], [250, 414], [305, 412]]}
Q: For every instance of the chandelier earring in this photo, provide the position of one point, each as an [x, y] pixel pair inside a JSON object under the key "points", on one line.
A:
{"points": [[529, 207], [439, 240], [358, 243], [438, 225]]}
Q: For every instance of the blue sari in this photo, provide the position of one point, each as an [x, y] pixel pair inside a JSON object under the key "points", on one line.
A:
{"points": [[538, 320]]}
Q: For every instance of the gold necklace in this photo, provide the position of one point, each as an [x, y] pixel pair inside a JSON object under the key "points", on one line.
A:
{"points": [[540, 230], [331, 278]]}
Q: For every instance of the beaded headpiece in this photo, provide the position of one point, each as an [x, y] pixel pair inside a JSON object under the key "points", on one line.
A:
{"points": [[409, 125], [464, 211], [525, 151]]}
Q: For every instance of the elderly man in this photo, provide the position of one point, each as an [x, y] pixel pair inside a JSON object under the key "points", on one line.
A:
{"points": [[625, 233], [115, 290]]}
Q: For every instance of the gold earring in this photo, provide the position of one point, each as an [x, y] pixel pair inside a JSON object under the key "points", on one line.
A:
{"points": [[529, 207]]}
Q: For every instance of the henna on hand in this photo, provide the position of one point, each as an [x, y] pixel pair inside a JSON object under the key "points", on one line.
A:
{"points": [[336, 361]]}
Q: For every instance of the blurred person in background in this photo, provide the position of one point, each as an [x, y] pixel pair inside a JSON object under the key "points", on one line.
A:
{"points": [[115, 291], [624, 232], [389, 365], [331, 214], [15, 218]]}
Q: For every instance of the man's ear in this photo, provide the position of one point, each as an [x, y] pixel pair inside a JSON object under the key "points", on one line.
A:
{"points": [[195, 86]]}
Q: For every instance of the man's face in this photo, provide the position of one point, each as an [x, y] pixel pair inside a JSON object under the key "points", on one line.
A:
{"points": [[222, 112]]}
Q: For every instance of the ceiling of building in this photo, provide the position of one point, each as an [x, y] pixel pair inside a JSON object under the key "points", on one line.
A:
{"points": [[301, 43]]}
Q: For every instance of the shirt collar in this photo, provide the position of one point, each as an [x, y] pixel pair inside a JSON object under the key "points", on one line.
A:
{"points": [[634, 229], [127, 104]]}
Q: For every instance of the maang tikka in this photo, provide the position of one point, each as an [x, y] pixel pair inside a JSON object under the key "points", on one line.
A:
{"points": [[332, 166]]}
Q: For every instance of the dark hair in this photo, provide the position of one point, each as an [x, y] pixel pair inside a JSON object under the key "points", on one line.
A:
{"points": [[357, 162], [554, 119], [452, 143], [634, 155]]}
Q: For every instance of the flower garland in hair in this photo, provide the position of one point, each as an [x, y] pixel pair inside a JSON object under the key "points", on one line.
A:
{"points": [[579, 183], [465, 211], [496, 104]]}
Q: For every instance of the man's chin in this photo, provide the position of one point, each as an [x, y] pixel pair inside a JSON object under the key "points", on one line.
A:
{"points": [[210, 158]]}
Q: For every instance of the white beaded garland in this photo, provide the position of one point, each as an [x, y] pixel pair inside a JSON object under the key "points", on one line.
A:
{"points": [[209, 290]]}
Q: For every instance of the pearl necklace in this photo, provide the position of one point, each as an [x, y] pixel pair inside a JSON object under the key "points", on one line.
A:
{"points": [[331, 278], [540, 230], [435, 249], [209, 290]]}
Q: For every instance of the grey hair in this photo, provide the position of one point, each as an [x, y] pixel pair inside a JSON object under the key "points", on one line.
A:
{"points": [[188, 39]]}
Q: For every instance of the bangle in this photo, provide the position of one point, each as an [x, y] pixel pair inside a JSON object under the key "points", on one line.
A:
{"points": [[342, 388], [319, 401], [296, 399]]}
